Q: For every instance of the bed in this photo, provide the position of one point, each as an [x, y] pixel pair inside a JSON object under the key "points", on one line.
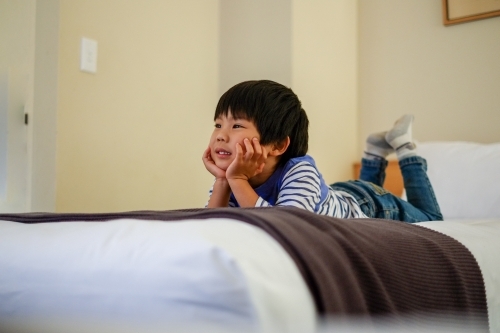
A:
{"points": [[263, 270]]}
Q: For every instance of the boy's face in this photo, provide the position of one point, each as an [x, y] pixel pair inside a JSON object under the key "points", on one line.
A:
{"points": [[227, 132]]}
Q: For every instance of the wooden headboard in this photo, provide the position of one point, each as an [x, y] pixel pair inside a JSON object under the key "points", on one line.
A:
{"points": [[393, 179]]}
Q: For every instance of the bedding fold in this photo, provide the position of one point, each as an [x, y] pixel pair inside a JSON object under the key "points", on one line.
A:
{"points": [[366, 268]]}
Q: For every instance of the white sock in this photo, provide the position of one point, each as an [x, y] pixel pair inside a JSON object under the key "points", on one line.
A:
{"points": [[376, 147], [400, 137]]}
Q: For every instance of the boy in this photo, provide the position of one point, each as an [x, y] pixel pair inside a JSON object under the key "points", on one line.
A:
{"points": [[257, 153]]}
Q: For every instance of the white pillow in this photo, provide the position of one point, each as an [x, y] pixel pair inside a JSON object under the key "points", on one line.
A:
{"points": [[465, 177]]}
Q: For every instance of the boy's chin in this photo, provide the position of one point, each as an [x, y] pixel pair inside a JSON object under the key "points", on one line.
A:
{"points": [[222, 167]]}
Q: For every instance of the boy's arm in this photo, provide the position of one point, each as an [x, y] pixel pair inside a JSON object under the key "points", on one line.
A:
{"points": [[245, 166], [220, 194], [243, 192]]}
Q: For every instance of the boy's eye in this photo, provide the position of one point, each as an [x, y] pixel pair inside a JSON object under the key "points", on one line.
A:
{"points": [[217, 126], [237, 126]]}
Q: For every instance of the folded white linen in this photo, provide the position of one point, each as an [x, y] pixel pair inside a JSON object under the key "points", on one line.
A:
{"points": [[217, 273]]}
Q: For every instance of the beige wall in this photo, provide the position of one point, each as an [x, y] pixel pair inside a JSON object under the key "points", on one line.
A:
{"points": [[131, 136], [324, 75], [255, 41], [287, 41], [43, 122], [448, 77]]}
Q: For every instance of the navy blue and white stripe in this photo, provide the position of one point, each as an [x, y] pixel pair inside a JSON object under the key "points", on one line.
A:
{"points": [[299, 184]]}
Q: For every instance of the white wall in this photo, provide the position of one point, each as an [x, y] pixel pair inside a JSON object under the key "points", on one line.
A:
{"points": [[28, 53], [17, 37], [409, 62]]}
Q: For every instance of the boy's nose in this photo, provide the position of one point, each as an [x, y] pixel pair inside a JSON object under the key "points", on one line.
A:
{"points": [[222, 137]]}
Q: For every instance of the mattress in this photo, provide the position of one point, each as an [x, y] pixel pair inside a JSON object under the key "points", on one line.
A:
{"points": [[219, 274]]}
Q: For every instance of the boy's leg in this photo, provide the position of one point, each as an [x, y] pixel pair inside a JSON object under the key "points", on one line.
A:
{"points": [[373, 171], [400, 137], [373, 163], [419, 191], [418, 188], [376, 147], [421, 205], [376, 202]]}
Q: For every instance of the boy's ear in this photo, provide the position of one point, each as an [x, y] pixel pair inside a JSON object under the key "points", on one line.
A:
{"points": [[280, 147]]}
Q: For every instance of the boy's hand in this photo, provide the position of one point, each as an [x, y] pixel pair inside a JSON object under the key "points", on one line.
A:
{"points": [[211, 166], [249, 163]]}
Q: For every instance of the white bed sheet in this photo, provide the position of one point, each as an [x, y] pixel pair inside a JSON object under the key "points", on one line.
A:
{"points": [[130, 275], [110, 276], [482, 238]]}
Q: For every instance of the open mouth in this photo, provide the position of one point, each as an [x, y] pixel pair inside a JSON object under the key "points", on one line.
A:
{"points": [[221, 152]]}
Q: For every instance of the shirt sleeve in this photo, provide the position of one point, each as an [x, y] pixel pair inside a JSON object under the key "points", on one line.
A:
{"points": [[209, 195], [343, 205], [230, 204], [300, 188]]}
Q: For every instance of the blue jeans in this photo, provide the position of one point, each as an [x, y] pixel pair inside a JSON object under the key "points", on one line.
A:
{"points": [[376, 202]]}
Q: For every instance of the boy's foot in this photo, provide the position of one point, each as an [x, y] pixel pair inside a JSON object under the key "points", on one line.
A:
{"points": [[377, 147], [400, 137]]}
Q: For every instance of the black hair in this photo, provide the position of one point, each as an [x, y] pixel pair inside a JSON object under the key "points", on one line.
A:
{"points": [[275, 110]]}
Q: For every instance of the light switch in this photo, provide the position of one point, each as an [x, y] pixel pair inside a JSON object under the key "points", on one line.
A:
{"points": [[88, 55]]}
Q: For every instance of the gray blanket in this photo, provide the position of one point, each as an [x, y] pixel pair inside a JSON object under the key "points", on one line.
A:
{"points": [[368, 268]]}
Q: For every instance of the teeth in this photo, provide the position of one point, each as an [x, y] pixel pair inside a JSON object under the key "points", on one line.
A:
{"points": [[224, 153]]}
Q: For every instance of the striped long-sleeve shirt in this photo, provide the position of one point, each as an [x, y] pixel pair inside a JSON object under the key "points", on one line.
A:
{"points": [[298, 183]]}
